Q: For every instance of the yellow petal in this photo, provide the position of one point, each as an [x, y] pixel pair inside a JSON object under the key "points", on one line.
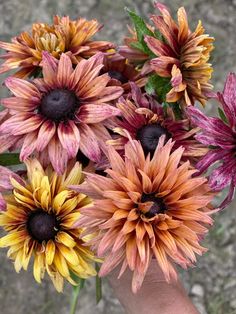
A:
{"points": [[50, 252], [61, 265], [59, 200], [39, 267], [13, 238], [66, 239], [69, 254]]}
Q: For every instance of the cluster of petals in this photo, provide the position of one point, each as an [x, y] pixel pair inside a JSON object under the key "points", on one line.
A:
{"points": [[147, 208], [63, 36], [182, 56], [39, 217], [34, 127], [139, 110], [221, 137], [121, 72]]}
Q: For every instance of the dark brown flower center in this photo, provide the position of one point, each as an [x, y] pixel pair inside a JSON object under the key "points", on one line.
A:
{"points": [[118, 76], [59, 105], [149, 136], [158, 206], [42, 226]]}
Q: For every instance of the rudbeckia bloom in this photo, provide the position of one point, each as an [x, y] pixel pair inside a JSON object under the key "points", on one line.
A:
{"points": [[62, 112], [40, 219], [147, 208], [121, 72], [221, 137], [144, 119], [63, 36], [182, 56]]}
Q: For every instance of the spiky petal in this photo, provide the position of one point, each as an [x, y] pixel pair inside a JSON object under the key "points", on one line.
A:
{"points": [[183, 56], [147, 208], [221, 135]]}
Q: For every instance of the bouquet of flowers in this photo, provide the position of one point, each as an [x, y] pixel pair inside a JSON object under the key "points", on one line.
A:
{"points": [[105, 157]]}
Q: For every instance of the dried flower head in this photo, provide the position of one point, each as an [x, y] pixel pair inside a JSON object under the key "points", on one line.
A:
{"points": [[63, 36]]}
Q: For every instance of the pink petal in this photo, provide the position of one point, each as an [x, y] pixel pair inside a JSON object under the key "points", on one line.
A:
{"points": [[223, 175], [84, 68], [3, 204], [3, 115], [50, 66], [29, 125], [214, 126], [93, 88], [158, 47], [29, 145], [19, 104], [96, 113], [22, 88], [163, 65], [69, 137], [210, 158], [7, 141], [228, 98], [8, 125], [57, 155], [5, 176], [108, 94], [46, 132], [65, 70], [229, 197], [89, 143]]}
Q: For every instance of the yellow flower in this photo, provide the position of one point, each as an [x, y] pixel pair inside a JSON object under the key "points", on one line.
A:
{"points": [[40, 221]]}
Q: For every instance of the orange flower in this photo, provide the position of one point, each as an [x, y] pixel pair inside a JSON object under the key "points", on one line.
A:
{"points": [[147, 208], [183, 56], [64, 35]]}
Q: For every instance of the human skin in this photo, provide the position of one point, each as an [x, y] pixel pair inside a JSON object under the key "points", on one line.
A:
{"points": [[156, 296]]}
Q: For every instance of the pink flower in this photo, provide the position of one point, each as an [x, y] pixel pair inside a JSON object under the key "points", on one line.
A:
{"points": [[143, 119], [61, 113], [221, 135]]}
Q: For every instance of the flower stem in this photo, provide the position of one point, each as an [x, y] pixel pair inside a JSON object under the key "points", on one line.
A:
{"points": [[75, 294], [98, 285]]}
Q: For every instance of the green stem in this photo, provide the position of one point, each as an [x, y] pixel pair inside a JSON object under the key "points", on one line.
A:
{"points": [[98, 285], [75, 294]]}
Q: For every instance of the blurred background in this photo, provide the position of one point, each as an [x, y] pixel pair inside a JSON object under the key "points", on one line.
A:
{"points": [[212, 284]]}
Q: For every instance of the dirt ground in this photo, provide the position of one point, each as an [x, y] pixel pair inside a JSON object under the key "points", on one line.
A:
{"points": [[212, 284]]}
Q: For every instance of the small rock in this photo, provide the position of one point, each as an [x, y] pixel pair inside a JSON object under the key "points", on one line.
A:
{"points": [[233, 304], [197, 290]]}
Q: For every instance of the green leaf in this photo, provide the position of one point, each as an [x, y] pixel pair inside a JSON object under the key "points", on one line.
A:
{"points": [[75, 292], [98, 285], [158, 86], [222, 115], [38, 73], [9, 159], [142, 30], [176, 109]]}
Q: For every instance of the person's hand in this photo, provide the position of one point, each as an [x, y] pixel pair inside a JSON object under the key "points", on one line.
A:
{"points": [[156, 296]]}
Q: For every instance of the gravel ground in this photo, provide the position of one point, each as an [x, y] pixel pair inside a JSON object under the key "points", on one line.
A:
{"points": [[211, 285]]}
